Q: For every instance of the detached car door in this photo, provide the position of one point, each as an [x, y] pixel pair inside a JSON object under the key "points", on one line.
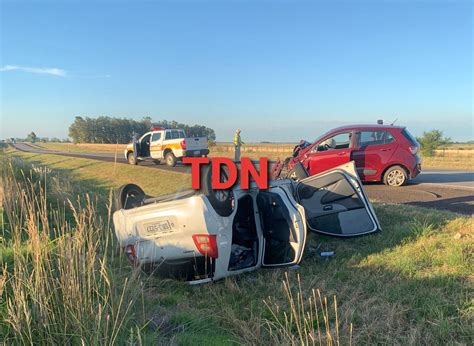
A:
{"points": [[283, 228], [336, 204]]}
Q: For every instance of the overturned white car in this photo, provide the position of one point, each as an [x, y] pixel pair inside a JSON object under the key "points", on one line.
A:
{"points": [[209, 235]]}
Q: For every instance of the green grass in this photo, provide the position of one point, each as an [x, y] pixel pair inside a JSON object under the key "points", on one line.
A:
{"points": [[410, 284], [101, 176]]}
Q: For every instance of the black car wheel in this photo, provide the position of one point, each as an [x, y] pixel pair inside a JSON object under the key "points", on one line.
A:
{"points": [[129, 196]]}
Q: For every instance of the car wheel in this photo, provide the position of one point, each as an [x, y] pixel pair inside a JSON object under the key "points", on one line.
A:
{"points": [[395, 176], [170, 159], [129, 196], [131, 159], [221, 200]]}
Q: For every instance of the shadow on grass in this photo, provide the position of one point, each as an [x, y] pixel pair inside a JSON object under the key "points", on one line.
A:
{"points": [[462, 204]]}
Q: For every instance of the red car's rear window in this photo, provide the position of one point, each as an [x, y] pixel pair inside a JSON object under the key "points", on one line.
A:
{"points": [[409, 137]]}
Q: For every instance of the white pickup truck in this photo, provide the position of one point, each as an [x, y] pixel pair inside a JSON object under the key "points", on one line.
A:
{"points": [[170, 145]]}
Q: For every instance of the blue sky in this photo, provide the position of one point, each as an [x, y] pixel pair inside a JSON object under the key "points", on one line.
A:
{"points": [[280, 71]]}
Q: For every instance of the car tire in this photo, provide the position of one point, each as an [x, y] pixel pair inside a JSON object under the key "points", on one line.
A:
{"points": [[221, 200], [129, 196], [395, 176], [170, 159], [131, 159]]}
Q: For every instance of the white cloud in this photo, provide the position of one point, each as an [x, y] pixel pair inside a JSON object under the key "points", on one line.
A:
{"points": [[39, 70]]}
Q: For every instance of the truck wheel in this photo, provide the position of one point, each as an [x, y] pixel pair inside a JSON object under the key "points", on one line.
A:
{"points": [[395, 176], [221, 200], [131, 159], [170, 159], [129, 196]]}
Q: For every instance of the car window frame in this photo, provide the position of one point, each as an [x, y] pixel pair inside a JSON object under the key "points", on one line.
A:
{"points": [[156, 133], [314, 149], [374, 143], [174, 134]]}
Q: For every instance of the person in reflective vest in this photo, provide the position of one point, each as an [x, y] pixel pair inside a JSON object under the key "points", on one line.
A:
{"points": [[237, 144]]}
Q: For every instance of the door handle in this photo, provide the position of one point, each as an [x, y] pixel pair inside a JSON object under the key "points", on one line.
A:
{"points": [[341, 154], [385, 149]]}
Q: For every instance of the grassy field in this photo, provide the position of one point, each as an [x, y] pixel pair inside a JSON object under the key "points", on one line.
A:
{"points": [[453, 157], [460, 162], [410, 284]]}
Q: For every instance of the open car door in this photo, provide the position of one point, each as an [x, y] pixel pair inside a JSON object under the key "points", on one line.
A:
{"points": [[283, 228], [336, 204], [136, 147]]}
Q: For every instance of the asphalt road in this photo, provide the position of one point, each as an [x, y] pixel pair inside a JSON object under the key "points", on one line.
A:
{"points": [[440, 189]]}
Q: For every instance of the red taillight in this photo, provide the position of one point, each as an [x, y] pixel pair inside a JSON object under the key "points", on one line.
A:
{"points": [[183, 144], [206, 244], [131, 254], [414, 149]]}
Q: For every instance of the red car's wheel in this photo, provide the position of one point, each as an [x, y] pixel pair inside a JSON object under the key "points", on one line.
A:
{"points": [[395, 176]]}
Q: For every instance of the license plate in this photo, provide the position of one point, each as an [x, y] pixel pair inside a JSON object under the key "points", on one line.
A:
{"points": [[158, 227], [197, 152]]}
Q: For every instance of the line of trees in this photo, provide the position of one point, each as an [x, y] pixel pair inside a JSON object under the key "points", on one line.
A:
{"points": [[33, 138], [120, 130]]}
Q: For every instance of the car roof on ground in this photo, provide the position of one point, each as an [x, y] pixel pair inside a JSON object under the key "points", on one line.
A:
{"points": [[366, 127]]}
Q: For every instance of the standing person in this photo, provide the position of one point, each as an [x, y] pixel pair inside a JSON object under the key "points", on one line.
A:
{"points": [[237, 144]]}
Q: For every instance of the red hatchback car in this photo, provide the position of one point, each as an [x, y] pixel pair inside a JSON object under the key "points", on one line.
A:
{"points": [[381, 153]]}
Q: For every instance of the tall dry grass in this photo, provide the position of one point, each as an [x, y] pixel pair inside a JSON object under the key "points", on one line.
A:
{"points": [[59, 288], [306, 319]]}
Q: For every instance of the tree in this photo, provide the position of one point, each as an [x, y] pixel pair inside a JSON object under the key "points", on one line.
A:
{"points": [[31, 137], [432, 140], [105, 129]]}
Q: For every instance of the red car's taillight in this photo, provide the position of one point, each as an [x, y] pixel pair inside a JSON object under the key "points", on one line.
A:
{"points": [[206, 244], [183, 144], [131, 254], [414, 149]]}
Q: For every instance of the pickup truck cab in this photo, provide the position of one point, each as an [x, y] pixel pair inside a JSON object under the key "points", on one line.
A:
{"points": [[170, 145]]}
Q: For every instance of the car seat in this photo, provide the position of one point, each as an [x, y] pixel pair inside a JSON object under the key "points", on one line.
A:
{"points": [[329, 143]]}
